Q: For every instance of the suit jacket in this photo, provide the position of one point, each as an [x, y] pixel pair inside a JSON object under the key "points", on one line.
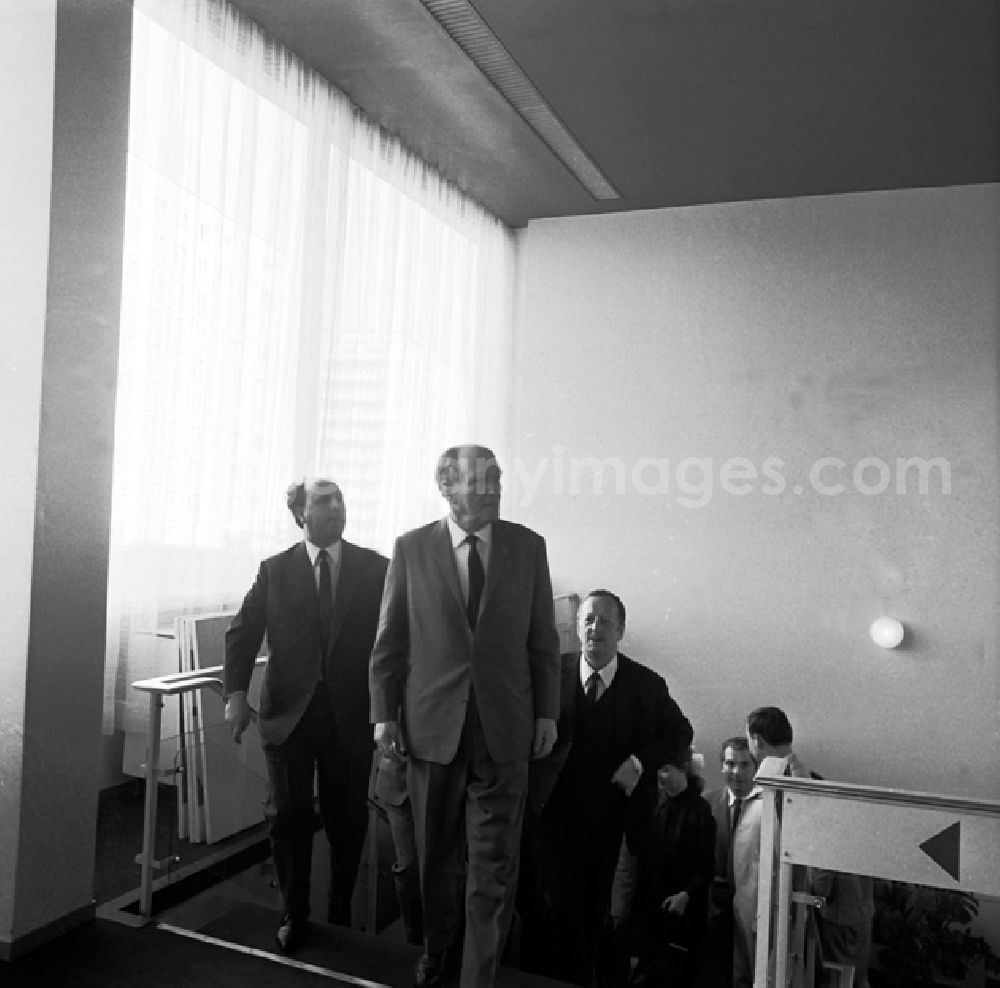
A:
{"points": [[746, 861], [721, 897], [850, 899], [647, 723], [283, 603], [426, 657]]}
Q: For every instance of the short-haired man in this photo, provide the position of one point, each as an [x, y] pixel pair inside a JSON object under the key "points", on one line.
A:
{"points": [[465, 676], [768, 734], [318, 604], [738, 767], [845, 920], [618, 724]]}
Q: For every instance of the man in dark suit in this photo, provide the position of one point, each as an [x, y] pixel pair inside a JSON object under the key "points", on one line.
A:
{"points": [[465, 678], [618, 724], [318, 604], [738, 768]]}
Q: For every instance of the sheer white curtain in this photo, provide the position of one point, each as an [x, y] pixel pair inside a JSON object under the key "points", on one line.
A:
{"points": [[300, 295]]}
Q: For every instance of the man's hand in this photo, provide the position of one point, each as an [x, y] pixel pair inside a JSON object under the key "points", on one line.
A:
{"points": [[626, 776], [676, 904], [238, 714], [545, 737], [795, 766], [388, 741]]}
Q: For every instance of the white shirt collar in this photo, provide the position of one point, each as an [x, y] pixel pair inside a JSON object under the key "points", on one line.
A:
{"points": [[332, 550], [607, 674], [459, 535]]}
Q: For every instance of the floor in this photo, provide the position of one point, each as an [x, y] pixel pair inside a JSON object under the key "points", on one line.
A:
{"points": [[119, 839], [217, 931]]}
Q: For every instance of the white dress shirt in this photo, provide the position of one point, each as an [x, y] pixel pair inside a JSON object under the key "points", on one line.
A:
{"points": [[458, 537], [334, 552], [606, 674]]}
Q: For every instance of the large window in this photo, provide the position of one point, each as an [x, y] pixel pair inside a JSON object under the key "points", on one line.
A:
{"points": [[300, 295]]}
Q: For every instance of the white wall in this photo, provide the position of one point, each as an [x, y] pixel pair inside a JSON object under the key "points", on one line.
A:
{"points": [[846, 326]]}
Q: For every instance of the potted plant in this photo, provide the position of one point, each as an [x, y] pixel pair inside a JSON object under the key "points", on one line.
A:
{"points": [[922, 935]]}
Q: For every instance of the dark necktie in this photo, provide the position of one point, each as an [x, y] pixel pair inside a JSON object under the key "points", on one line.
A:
{"points": [[735, 821], [476, 580], [325, 599], [593, 685]]}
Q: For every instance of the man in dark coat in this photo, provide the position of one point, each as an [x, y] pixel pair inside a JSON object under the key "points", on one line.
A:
{"points": [[318, 604], [618, 724], [738, 768]]}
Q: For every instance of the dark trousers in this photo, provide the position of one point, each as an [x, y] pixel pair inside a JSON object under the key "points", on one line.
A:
{"points": [[565, 898], [315, 750], [847, 943], [467, 815], [716, 969], [670, 953]]}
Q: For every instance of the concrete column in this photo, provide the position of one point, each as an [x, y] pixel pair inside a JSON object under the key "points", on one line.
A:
{"points": [[64, 88]]}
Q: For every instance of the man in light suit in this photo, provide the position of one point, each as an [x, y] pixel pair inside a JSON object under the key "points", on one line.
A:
{"points": [[844, 922], [318, 604], [738, 768], [769, 735], [746, 871], [618, 724], [465, 679]]}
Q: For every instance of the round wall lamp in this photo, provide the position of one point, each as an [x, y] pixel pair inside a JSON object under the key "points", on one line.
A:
{"points": [[887, 632]]}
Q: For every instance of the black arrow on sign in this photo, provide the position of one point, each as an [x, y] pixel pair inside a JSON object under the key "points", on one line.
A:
{"points": [[945, 849]]}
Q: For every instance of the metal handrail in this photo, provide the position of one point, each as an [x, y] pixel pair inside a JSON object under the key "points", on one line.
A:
{"points": [[173, 684], [875, 794]]}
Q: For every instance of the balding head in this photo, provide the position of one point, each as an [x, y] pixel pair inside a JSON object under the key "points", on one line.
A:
{"points": [[468, 478], [317, 505]]}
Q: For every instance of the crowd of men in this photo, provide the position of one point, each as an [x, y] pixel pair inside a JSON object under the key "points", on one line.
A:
{"points": [[559, 790]]}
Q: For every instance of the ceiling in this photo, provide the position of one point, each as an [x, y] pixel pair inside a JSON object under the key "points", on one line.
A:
{"points": [[678, 102]]}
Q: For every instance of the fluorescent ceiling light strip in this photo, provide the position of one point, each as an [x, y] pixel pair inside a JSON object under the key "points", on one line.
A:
{"points": [[472, 34]]}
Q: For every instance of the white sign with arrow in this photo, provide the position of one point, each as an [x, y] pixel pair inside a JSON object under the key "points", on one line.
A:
{"points": [[905, 842]]}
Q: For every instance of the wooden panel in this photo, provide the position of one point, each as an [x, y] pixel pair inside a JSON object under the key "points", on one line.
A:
{"points": [[191, 792], [233, 776], [566, 606]]}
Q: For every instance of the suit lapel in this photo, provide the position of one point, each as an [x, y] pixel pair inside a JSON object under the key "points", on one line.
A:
{"points": [[619, 695], [499, 560], [345, 591], [444, 556], [720, 809], [303, 588], [304, 579]]}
